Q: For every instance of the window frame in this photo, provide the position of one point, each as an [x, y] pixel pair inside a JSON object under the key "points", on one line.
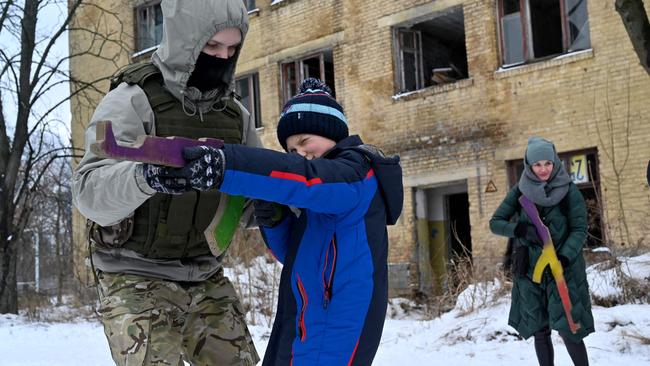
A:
{"points": [[298, 66], [147, 6], [247, 3], [424, 33], [254, 96], [526, 29], [416, 51]]}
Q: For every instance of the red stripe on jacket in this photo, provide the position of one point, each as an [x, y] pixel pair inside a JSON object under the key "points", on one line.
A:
{"points": [[353, 353], [296, 178]]}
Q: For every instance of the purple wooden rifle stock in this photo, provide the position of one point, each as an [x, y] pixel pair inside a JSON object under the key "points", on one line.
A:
{"points": [[147, 149]]}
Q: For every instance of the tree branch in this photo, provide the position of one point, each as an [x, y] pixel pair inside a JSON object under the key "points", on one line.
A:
{"points": [[30, 71], [23, 91], [4, 140], [77, 91], [71, 12], [5, 13], [55, 70]]}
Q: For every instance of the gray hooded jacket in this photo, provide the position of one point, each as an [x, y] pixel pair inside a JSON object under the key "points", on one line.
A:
{"points": [[107, 191]]}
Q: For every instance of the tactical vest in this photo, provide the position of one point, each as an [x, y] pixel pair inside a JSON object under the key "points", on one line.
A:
{"points": [[171, 226]]}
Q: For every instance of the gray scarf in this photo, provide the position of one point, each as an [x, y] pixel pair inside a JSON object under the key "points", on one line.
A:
{"points": [[549, 193]]}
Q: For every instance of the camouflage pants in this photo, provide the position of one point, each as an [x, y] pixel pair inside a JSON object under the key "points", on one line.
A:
{"points": [[150, 321]]}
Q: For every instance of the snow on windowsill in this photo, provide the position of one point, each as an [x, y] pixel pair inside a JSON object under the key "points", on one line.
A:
{"points": [[434, 89], [145, 51], [566, 58], [406, 94]]}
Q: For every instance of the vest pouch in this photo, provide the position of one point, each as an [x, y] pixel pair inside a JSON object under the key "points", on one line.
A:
{"points": [[174, 228], [113, 236], [205, 211]]}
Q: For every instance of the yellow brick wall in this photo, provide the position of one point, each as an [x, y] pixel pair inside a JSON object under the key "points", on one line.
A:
{"points": [[113, 19], [471, 128]]}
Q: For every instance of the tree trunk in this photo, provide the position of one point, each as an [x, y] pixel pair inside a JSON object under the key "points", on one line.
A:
{"points": [[8, 287], [636, 23], [59, 255], [27, 79]]}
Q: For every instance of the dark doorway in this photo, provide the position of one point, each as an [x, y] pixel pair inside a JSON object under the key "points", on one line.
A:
{"points": [[460, 239]]}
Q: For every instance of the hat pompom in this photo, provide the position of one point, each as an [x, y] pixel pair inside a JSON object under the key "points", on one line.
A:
{"points": [[314, 84]]}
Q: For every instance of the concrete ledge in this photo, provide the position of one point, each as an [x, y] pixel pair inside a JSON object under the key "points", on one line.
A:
{"points": [[434, 89], [417, 13], [544, 64], [306, 48], [443, 177], [329, 41]]}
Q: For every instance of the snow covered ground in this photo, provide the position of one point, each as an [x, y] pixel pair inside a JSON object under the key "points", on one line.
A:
{"points": [[459, 337]]}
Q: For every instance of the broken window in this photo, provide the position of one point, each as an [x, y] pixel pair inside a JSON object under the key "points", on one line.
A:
{"points": [[431, 52], [250, 5], [149, 21], [532, 30], [582, 167], [248, 88], [320, 66]]}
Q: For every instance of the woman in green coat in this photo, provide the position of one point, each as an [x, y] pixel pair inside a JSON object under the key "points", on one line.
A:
{"points": [[537, 308]]}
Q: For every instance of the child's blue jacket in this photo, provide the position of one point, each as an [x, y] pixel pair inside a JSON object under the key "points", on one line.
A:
{"points": [[333, 289]]}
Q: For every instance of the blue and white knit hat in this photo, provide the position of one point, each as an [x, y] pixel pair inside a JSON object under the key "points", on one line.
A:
{"points": [[314, 111]]}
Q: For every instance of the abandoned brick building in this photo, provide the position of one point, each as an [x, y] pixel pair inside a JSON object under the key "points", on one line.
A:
{"points": [[454, 87]]}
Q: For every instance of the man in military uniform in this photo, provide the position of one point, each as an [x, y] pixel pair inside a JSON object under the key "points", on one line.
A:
{"points": [[163, 296]]}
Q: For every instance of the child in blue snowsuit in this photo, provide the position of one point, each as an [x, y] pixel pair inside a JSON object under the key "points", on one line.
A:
{"points": [[333, 290]]}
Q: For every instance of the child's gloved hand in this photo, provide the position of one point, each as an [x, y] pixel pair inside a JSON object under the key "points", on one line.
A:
{"points": [[268, 213], [166, 179], [205, 167]]}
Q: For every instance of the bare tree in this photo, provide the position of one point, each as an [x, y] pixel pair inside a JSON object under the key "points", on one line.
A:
{"points": [[52, 220], [635, 20], [616, 121], [30, 73]]}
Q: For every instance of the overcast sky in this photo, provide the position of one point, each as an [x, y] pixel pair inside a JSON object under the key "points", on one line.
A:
{"points": [[49, 19]]}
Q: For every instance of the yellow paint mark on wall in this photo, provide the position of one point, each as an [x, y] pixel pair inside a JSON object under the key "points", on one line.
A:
{"points": [[438, 251]]}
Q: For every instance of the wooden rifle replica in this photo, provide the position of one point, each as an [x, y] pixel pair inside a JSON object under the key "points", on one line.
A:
{"points": [[549, 258], [168, 151]]}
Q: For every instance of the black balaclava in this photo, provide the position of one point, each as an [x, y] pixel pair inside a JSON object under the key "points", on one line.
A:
{"points": [[209, 72]]}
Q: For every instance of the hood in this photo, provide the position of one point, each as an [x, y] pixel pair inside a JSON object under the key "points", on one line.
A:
{"points": [[187, 27], [388, 172]]}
